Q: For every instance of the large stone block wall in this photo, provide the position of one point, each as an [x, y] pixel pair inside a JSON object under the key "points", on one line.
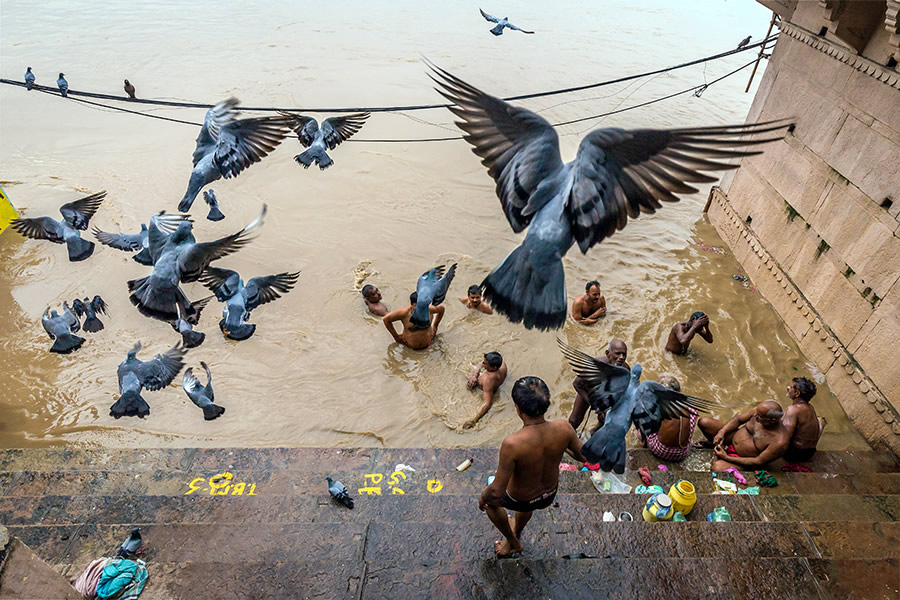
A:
{"points": [[815, 219]]}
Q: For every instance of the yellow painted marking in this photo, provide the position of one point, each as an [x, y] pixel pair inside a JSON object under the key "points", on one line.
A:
{"points": [[434, 486]]}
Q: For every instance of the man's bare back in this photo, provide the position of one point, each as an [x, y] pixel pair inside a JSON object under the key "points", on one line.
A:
{"points": [[682, 333], [415, 338], [536, 451]]}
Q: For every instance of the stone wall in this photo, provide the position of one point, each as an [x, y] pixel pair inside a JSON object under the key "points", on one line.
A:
{"points": [[815, 219]]}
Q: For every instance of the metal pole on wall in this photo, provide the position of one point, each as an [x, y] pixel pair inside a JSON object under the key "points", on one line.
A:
{"points": [[761, 48]]}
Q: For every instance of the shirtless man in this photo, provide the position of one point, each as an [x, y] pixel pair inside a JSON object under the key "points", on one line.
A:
{"points": [[528, 467], [760, 441], [372, 297], [682, 333], [591, 307], [488, 376], [412, 336], [801, 422], [616, 353], [473, 300], [673, 440]]}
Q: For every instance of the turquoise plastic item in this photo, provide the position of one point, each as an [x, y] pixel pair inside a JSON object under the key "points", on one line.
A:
{"points": [[719, 514]]}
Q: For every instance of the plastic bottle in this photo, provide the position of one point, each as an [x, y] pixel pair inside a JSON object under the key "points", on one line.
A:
{"points": [[465, 464], [720, 513], [683, 496], [679, 517]]}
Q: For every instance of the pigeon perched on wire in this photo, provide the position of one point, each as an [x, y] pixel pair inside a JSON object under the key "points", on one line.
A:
{"points": [[135, 375], [228, 145], [179, 258], [626, 400], [131, 545], [744, 42], [240, 299], [185, 325], [130, 242], [201, 395], [61, 329], [215, 214], [29, 79], [63, 86], [431, 289], [129, 89], [339, 492], [616, 175], [76, 216], [334, 130], [501, 23], [90, 308]]}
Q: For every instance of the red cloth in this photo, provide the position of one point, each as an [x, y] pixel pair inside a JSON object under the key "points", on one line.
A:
{"points": [[594, 467], [644, 472], [89, 578]]}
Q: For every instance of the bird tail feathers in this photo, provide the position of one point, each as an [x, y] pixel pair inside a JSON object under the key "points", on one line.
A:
{"points": [[92, 324], [79, 249], [239, 333], [143, 257], [527, 288], [192, 339], [157, 299], [606, 447], [314, 155], [215, 214], [66, 343], [345, 500], [130, 404], [212, 411]]}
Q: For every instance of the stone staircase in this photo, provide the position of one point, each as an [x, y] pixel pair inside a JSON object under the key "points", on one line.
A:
{"points": [[828, 534]]}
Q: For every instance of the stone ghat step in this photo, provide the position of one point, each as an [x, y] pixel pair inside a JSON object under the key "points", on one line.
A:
{"points": [[486, 578], [368, 460], [470, 482], [73, 510]]}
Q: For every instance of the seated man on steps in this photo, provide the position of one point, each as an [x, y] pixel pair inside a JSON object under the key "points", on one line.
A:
{"points": [[801, 421], [673, 440], [528, 470], [761, 440]]}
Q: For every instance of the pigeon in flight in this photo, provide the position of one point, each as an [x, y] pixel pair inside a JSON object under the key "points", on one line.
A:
{"points": [[334, 130], [29, 79], [90, 308], [63, 86], [339, 492], [744, 42], [626, 399], [131, 545], [179, 258], [135, 375], [215, 214], [228, 145], [431, 289], [617, 174], [501, 23], [61, 329], [76, 216], [201, 395], [185, 325], [129, 89], [240, 299], [130, 242]]}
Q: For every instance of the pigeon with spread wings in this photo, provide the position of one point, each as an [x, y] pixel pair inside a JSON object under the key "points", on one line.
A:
{"points": [[140, 241], [626, 400], [61, 329], [135, 375], [333, 131], [228, 145], [89, 308], [76, 216], [501, 23], [201, 395], [431, 290], [616, 175], [240, 299]]}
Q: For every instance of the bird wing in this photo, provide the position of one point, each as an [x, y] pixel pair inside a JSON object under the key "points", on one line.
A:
{"points": [[488, 17], [169, 223], [189, 383], [216, 117], [224, 283], [244, 142], [119, 241], [305, 127], [78, 213], [445, 280], [197, 257], [519, 148], [261, 290], [655, 402], [339, 129], [199, 305], [511, 26], [46, 319], [158, 373], [79, 307], [208, 386], [71, 320], [607, 383], [621, 173], [99, 305], [39, 228]]}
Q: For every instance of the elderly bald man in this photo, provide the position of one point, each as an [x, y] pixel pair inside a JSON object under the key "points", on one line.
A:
{"points": [[758, 437], [616, 353]]}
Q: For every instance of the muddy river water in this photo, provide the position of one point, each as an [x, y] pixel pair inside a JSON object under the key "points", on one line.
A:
{"points": [[320, 371]]}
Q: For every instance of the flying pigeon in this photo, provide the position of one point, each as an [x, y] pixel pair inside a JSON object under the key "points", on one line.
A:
{"points": [[628, 400], [29, 79], [240, 299], [130, 242], [215, 214], [185, 325], [431, 289], [501, 23], [61, 328], [616, 175], [179, 258], [200, 395], [227, 145], [63, 86], [75, 218], [129, 89], [90, 308], [334, 130], [744, 42], [131, 545], [339, 492], [135, 375]]}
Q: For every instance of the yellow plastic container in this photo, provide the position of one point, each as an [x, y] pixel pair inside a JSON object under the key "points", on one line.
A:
{"points": [[658, 508], [683, 496]]}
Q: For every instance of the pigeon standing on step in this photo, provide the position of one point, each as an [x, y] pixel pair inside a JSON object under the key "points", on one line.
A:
{"points": [[431, 289], [90, 308], [131, 545], [185, 325], [29, 79], [61, 329], [228, 145], [129, 89], [201, 395], [215, 214], [135, 375], [63, 86], [744, 42], [334, 130], [339, 492], [501, 23], [76, 216], [132, 242]]}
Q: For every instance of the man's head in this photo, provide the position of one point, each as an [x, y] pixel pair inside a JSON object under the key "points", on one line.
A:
{"points": [[801, 387], [492, 361], [769, 414], [474, 295], [371, 293], [592, 289], [671, 382], [697, 315], [413, 298], [531, 396], [617, 352]]}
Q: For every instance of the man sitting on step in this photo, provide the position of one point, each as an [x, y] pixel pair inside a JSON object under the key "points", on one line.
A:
{"points": [[801, 421], [761, 440]]}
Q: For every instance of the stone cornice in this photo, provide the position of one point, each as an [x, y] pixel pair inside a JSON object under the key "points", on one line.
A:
{"points": [[845, 55]]}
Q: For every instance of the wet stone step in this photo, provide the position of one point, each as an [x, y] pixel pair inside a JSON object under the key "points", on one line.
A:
{"points": [[871, 579]]}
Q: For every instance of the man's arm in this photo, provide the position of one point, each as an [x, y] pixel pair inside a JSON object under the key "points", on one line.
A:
{"points": [[789, 421], [732, 425], [574, 447], [601, 310], [773, 451], [577, 308], [488, 396], [389, 323], [438, 312], [705, 333], [505, 467], [473, 380], [485, 308], [685, 337]]}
